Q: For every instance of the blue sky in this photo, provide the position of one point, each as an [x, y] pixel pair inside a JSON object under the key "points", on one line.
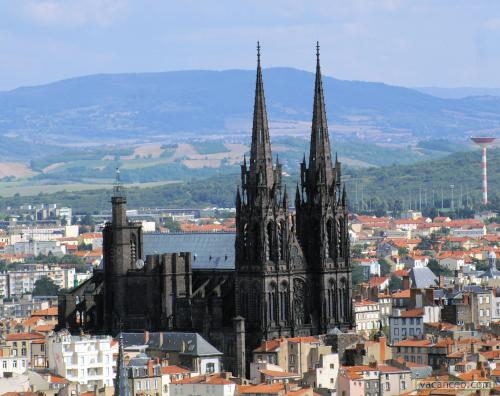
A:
{"points": [[448, 43]]}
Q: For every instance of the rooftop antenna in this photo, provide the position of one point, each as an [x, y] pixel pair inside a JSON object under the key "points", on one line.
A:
{"points": [[484, 143]]}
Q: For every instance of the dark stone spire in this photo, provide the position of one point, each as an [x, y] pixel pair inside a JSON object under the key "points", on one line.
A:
{"points": [[261, 167], [320, 163], [122, 387]]}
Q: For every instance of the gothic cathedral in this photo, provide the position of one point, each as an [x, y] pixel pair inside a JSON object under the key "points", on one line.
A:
{"points": [[293, 273]]}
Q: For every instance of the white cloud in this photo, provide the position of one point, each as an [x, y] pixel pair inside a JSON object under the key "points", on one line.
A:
{"points": [[492, 24], [74, 13]]}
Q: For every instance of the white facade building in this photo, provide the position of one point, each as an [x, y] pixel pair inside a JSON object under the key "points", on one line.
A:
{"points": [[367, 315], [325, 374], [87, 360], [13, 365], [21, 282]]}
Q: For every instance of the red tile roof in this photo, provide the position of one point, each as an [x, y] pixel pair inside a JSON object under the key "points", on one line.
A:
{"points": [[174, 370], [24, 336]]}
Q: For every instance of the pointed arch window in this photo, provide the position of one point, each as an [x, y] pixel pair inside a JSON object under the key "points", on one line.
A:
{"points": [[133, 249], [329, 238], [331, 298], [341, 237], [343, 299], [270, 240], [271, 303], [284, 302], [245, 235], [281, 239]]}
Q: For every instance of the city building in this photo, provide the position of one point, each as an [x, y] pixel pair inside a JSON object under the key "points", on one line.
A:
{"points": [[85, 359]]}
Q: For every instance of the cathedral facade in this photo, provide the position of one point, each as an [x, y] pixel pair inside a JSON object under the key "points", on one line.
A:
{"points": [[293, 273], [291, 276]]}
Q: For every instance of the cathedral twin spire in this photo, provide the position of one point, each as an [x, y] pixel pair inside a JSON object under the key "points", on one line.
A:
{"points": [[320, 163], [260, 152]]}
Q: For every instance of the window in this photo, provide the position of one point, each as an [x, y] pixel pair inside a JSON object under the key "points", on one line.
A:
{"points": [[23, 352], [412, 320], [331, 380], [367, 385], [292, 359], [403, 384], [404, 321], [14, 363], [210, 368], [396, 331], [331, 365], [481, 313], [4, 364], [387, 386], [411, 331], [42, 347]]}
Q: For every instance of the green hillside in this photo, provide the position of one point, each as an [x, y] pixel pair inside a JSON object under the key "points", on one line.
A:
{"points": [[372, 188]]}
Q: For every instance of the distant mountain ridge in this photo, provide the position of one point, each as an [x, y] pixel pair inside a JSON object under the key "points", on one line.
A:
{"points": [[459, 92], [147, 105]]}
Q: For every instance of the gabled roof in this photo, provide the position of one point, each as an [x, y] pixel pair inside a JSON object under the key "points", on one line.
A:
{"points": [[52, 311], [173, 369], [377, 281], [269, 346], [261, 388], [279, 374], [191, 344], [412, 313], [24, 336], [209, 249], [413, 343], [214, 379], [423, 277]]}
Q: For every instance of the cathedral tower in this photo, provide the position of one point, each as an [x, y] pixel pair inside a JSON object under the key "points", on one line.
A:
{"points": [[322, 223], [271, 282], [122, 249]]}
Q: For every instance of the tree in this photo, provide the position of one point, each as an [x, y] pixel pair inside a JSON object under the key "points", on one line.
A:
{"points": [[438, 269], [45, 287], [385, 267], [172, 225], [357, 251], [357, 275], [396, 283]]}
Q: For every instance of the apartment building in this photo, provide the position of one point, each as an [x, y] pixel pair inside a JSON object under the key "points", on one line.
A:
{"points": [[87, 360]]}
